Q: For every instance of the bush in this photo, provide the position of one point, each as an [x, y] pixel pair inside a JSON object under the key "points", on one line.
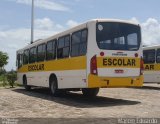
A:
{"points": [[2, 71], [11, 78], [3, 79]]}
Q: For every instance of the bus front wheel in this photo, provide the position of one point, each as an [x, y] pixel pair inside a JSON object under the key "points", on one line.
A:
{"points": [[90, 92], [53, 87], [27, 87]]}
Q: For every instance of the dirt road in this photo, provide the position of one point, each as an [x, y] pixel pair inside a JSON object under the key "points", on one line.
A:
{"points": [[112, 102]]}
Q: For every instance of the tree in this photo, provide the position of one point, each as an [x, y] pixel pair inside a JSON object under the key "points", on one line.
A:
{"points": [[3, 59]]}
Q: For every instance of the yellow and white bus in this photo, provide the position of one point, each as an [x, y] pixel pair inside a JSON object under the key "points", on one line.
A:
{"points": [[97, 54], [151, 56]]}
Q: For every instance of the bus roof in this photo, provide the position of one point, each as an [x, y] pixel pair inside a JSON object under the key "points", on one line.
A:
{"points": [[78, 27], [151, 47]]}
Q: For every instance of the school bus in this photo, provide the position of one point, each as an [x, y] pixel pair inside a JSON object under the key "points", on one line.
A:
{"points": [[100, 53], [151, 56]]}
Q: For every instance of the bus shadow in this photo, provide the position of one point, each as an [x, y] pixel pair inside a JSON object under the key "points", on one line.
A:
{"points": [[75, 99]]}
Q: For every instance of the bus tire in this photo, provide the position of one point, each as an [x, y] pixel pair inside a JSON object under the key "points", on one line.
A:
{"points": [[53, 86], [90, 92], [27, 87]]}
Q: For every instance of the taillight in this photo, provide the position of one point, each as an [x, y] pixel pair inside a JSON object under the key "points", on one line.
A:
{"points": [[93, 65], [141, 66]]}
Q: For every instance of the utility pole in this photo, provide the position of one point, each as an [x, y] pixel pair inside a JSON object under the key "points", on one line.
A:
{"points": [[32, 22]]}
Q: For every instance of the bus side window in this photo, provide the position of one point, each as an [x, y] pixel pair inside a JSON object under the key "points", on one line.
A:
{"points": [[41, 52], [149, 56], [19, 60], [83, 45], [158, 56], [144, 56], [32, 55], [51, 50], [63, 47], [26, 57], [66, 48], [79, 43]]}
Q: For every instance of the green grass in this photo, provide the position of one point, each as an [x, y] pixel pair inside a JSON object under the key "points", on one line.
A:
{"points": [[16, 84], [1, 78], [1, 85]]}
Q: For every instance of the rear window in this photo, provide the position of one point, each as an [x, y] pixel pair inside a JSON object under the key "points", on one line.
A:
{"points": [[117, 36]]}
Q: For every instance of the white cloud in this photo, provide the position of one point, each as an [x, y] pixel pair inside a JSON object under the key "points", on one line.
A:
{"points": [[71, 23], [47, 24], [134, 20], [151, 32], [14, 39], [44, 24], [44, 4]]}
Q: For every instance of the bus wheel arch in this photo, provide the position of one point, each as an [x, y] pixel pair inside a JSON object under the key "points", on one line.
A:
{"points": [[53, 84], [27, 87]]}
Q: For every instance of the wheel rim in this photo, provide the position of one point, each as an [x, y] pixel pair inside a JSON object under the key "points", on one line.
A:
{"points": [[25, 82], [53, 87]]}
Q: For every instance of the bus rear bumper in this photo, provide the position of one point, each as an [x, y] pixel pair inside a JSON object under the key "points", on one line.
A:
{"points": [[104, 82]]}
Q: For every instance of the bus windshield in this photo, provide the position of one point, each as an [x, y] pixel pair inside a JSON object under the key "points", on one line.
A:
{"points": [[117, 36]]}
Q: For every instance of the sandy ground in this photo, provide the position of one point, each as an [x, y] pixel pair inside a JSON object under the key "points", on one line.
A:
{"points": [[112, 102]]}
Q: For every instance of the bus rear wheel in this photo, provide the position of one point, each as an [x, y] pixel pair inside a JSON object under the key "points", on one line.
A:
{"points": [[27, 87], [53, 87], [90, 92]]}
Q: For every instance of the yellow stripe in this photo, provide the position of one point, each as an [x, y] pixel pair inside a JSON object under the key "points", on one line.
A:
{"points": [[75, 63], [152, 67], [123, 64]]}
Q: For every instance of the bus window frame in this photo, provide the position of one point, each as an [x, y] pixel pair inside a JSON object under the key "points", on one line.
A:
{"points": [[80, 43], [62, 48], [158, 50], [24, 62], [147, 51], [19, 60], [35, 56], [55, 50]]}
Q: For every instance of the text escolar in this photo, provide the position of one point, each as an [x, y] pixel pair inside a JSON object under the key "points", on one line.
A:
{"points": [[119, 62], [36, 67]]}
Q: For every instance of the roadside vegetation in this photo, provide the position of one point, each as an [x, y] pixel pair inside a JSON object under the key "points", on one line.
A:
{"points": [[7, 79]]}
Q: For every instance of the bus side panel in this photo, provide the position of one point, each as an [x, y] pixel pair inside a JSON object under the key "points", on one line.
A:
{"points": [[20, 78], [66, 78], [70, 73], [152, 73], [150, 76], [157, 76], [71, 79], [38, 78]]}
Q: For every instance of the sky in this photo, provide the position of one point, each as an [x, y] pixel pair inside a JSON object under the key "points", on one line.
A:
{"points": [[53, 16]]}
